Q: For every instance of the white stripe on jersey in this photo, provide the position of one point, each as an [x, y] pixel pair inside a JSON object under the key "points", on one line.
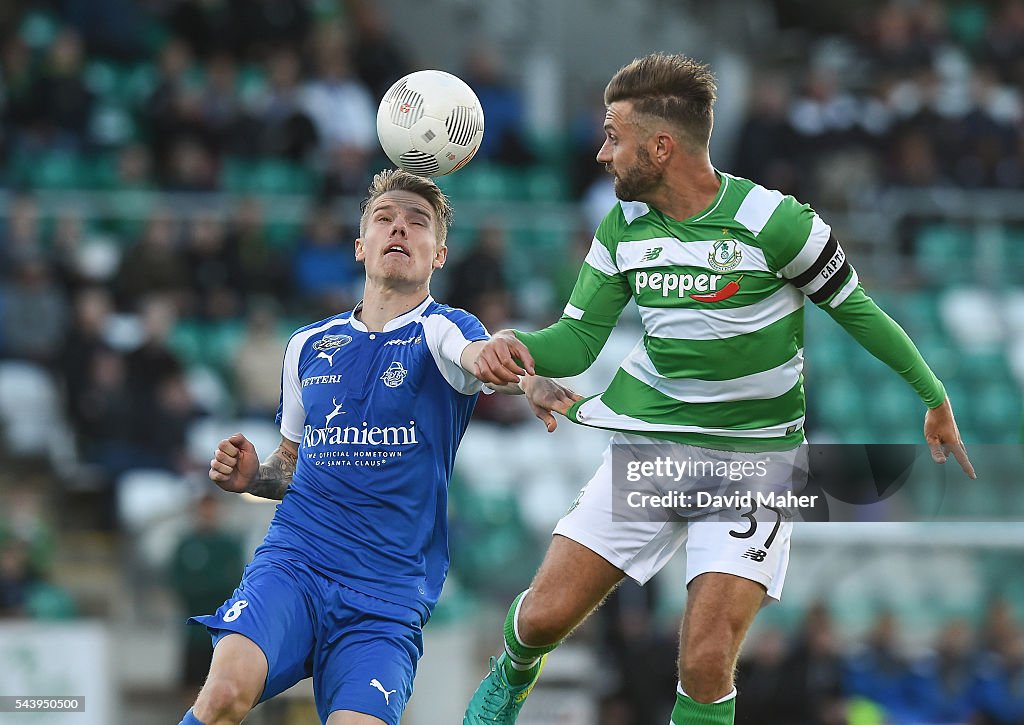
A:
{"points": [[759, 386], [595, 413], [600, 258], [293, 416], [446, 344], [816, 240], [846, 291], [574, 312], [630, 255], [633, 210], [757, 208], [709, 323]]}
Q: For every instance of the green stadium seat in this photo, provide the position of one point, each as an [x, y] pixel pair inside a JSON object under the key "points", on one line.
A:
{"points": [[269, 176], [281, 177], [487, 182], [944, 253], [544, 184], [917, 312], [58, 170]]}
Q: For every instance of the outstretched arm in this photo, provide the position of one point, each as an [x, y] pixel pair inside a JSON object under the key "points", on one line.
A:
{"points": [[545, 396], [880, 335], [236, 468]]}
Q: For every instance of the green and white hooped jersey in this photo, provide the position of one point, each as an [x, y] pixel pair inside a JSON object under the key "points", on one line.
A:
{"points": [[721, 296]]}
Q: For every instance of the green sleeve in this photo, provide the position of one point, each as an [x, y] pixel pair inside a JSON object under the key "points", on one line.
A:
{"points": [[880, 335], [571, 345]]}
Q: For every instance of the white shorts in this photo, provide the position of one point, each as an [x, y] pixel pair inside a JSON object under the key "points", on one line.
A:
{"points": [[750, 544]]}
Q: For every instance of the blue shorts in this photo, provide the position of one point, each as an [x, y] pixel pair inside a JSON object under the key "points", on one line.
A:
{"points": [[361, 651]]}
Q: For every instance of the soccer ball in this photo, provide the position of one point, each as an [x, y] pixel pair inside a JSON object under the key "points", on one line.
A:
{"points": [[430, 123]]}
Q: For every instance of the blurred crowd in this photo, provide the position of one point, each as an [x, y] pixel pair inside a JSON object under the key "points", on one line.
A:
{"points": [[810, 675]]}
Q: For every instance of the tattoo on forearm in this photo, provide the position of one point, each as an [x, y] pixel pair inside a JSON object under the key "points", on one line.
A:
{"points": [[275, 475]]}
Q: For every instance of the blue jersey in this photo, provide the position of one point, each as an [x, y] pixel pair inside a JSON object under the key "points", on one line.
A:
{"points": [[378, 417]]}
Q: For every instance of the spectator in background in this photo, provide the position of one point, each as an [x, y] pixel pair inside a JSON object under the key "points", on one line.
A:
{"points": [[83, 341], [377, 54], [878, 672], [812, 674], [21, 105], [21, 237], [257, 363], [154, 265], [161, 109], [643, 652], [257, 25], [767, 142], [102, 411], [206, 564], [33, 313], [66, 103], [285, 128], [999, 625], [493, 309], [205, 25], [220, 105], [759, 677], [15, 579], [214, 272], [324, 267], [342, 110], [190, 167], [480, 271], [65, 253], [1004, 46], [999, 693], [134, 168], [941, 685], [505, 140], [263, 271], [160, 403], [23, 519]]}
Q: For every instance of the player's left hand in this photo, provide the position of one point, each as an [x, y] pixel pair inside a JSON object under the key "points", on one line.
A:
{"points": [[546, 396], [943, 437]]}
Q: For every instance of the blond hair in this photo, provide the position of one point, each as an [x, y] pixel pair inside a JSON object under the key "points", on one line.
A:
{"points": [[399, 180], [671, 87]]}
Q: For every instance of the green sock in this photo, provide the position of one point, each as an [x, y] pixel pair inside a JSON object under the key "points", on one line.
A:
{"points": [[689, 712], [521, 662]]}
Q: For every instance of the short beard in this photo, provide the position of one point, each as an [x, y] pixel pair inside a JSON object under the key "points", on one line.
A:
{"points": [[638, 179]]}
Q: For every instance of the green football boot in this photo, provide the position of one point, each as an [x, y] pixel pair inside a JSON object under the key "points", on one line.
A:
{"points": [[495, 701]]}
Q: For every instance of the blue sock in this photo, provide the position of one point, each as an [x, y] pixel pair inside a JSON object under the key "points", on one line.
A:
{"points": [[190, 719]]}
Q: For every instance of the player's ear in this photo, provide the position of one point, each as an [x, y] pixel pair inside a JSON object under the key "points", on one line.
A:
{"points": [[664, 145], [360, 250], [440, 256]]}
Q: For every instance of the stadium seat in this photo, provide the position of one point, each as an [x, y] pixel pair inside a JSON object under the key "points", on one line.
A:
{"points": [[972, 316], [144, 495], [943, 253], [58, 169], [28, 388]]}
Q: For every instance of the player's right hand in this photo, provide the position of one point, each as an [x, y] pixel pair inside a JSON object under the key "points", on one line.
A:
{"points": [[234, 464], [497, 363]]}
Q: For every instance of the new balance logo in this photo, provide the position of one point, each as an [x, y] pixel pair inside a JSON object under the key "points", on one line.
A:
{"points": [[375, 683], [755, 554], [651, 254]]}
